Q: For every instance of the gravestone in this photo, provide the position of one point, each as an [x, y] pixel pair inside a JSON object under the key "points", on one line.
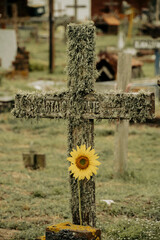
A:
{"points": [[6, 103], [80, 104], [8, 47], [34, 160]]}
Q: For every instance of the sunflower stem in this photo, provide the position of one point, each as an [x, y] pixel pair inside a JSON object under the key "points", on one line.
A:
{"points": [[80, 209]]}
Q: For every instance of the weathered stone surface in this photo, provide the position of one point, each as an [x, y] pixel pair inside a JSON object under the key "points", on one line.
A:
{"points": [[68, 231], [132, 106]]}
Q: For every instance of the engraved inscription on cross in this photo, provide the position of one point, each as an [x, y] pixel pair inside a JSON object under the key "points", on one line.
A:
{"points": [[81, 105]]}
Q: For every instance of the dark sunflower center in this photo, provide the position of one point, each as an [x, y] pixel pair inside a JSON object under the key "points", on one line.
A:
{"points": [[82, 162]]}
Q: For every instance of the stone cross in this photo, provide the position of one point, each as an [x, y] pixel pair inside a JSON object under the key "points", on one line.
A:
{"points": [[80, 104], [75, 6]]}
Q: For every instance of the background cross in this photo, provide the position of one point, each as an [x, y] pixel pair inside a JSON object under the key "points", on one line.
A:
{"points": [[81, 105], [75, 6]]}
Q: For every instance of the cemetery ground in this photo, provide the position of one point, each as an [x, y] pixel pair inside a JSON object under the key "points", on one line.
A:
{"points": [[31, 200]]}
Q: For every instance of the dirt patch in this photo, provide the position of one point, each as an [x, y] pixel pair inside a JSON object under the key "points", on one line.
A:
{"points": [[7, 234]]}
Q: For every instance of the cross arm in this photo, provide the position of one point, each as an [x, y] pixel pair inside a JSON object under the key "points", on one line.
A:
{"points": [[40, 105], [133, 106]]}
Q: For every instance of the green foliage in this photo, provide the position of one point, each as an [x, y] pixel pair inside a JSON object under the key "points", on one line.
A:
{"points": [[37, 65], [133, 229]]}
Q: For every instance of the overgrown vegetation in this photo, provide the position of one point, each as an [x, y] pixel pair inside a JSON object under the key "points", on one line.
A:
{"points": [[32, 200]]}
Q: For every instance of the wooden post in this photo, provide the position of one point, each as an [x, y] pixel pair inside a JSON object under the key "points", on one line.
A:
{"points": [[15, 18], [121, 136], [51, 37], [158, 83], [131, 17], [157, 72], [157, 10], [81, 105]]}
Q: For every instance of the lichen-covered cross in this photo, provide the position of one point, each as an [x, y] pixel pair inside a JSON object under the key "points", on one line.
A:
{"points": [[81, 105]]}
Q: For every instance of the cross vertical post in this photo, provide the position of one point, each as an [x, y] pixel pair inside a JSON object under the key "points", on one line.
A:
{"points": [[81, 73], [121, 136]]}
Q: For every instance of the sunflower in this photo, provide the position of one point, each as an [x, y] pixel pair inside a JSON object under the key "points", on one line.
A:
{"points": [[83, 162]]}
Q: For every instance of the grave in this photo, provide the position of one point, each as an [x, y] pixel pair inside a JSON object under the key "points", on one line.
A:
{"points": [[34, 160], [21, 62], [8, 47], [80, 104]]}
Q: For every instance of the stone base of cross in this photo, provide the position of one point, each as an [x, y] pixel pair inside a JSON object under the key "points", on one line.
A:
{"points": [[81, 105]]}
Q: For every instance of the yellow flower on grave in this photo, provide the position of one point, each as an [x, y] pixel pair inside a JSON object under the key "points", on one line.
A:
{"points": [[83, 162]]}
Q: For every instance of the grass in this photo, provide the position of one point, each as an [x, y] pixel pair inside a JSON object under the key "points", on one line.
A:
{"points": [[32, 200]]}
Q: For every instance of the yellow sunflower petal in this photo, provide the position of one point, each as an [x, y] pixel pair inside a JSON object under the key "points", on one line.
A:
{"points": [[83, 148], [95, 163], [88, 149], [73, 153], [70, 159], [94, 170]]}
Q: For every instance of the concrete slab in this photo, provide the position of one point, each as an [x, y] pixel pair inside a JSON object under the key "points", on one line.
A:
{"points": [[8, 47]]}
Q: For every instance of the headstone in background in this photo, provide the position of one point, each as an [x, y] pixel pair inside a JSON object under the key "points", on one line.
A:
{"points": [[6, 103], [8, 47], [33, 160]]}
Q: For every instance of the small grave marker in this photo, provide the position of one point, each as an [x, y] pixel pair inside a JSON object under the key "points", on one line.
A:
{"points": [[150, 44], [33, 160], [6, 103], [81, 105]]}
